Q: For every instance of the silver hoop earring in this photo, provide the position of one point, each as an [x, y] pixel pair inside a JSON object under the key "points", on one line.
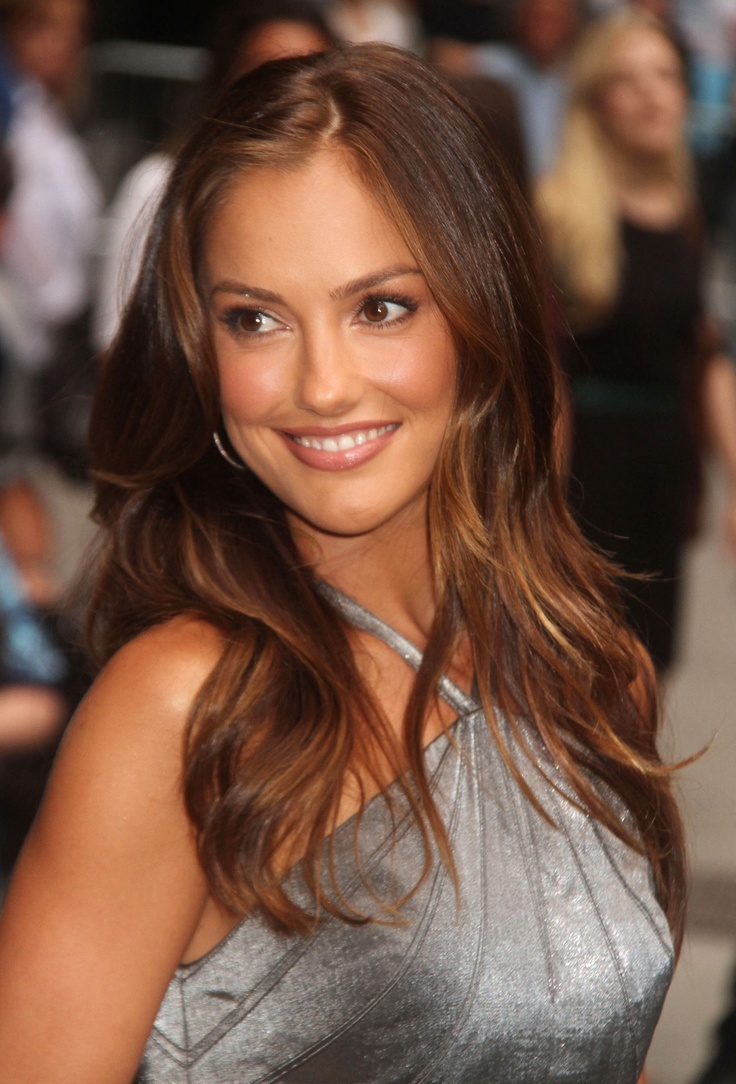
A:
{"points": [[224, 452]]}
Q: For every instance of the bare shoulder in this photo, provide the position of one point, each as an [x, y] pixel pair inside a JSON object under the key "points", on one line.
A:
{"points": [[120, 767], [165, 667], [108, 892]]}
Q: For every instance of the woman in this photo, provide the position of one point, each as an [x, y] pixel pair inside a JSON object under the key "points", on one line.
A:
{"points": [[624, 238], [325, 441]]}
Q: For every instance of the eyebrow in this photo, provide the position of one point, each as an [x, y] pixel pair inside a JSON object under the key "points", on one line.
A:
{"points": [[349, 289]]}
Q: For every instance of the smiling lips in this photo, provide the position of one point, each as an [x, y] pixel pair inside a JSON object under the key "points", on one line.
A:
{"points": [[341, 448]]}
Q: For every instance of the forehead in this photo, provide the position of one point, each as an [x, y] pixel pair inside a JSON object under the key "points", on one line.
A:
{"points": [[640, 48], [51, 12], [316, 219]]}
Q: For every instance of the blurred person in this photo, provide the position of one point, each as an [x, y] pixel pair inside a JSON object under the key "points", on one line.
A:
{"points": [[660, 9], [368, 787], [24, 521], [625, 242], [18, 336], [668, 13], [391, 21], [243, 37], [534, 65], [465, 21], [47, 249], [720, 410], [48, 206], [664, 10], [53, 213], [27, 531], [710, 28], [449, 27], [722, 1067], [33, 707], [29, 661], [7, 84]]}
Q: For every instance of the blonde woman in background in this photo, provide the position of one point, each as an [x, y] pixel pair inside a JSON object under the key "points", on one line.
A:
{"points": [[624, 238]]}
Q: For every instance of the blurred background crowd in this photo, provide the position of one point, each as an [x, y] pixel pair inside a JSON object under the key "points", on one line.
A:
{"points": [[618, 122]]}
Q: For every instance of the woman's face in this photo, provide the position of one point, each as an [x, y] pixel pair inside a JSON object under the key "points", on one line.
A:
{"points": [[337, 370], [546, 29], [643, 102]]}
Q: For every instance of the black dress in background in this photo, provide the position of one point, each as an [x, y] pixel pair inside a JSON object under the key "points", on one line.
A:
{"points": [[635, 386]]}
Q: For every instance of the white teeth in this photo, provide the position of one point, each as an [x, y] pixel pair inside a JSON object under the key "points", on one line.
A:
{"points": [[346, 441]]}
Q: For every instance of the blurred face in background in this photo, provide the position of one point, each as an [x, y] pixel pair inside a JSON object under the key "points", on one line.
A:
{"points": [[546, 29], [275, 40], [48, 42], [660, 9], [643, 101]]}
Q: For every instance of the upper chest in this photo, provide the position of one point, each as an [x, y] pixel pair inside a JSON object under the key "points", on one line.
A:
{"points": [[550, 963]]}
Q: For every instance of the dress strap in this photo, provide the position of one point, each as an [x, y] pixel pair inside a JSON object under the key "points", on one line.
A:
{"points": [[363, 619]]}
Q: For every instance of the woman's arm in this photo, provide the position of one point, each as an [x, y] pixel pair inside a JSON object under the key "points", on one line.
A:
{"points": [[108, 891]]}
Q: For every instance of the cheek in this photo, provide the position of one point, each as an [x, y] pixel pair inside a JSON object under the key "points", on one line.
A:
{"points": [[676, 100], [249, 389], [618, 109], [423, 376]]}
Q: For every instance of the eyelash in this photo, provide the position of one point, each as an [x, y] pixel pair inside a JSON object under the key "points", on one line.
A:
{"points": [[405, 302], [232, 316]]}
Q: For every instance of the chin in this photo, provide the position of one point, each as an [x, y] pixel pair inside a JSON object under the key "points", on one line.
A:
{"points": [[353, 522], [342, 526]]}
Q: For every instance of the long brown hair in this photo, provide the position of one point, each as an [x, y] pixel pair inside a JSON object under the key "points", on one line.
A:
{"points": [[284, 718]]}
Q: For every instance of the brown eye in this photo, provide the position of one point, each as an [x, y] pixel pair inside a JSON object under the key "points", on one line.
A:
{"points": [[250, 320], [250, 323], [375, 311]]}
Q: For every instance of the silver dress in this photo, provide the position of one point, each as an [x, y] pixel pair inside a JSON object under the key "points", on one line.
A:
{"points": [[551, 964]]}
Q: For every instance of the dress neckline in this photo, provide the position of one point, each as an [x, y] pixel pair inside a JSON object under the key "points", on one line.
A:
{"points": [[435, 750], [361, 618]]}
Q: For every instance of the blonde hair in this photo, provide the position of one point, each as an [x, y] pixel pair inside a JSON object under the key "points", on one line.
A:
{"points": [[577, 203]]}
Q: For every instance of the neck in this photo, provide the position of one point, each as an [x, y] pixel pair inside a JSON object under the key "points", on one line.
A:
{"points": [[388, 570], [646, 189]]}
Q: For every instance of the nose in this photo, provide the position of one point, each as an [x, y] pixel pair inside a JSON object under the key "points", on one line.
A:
{"points": [[329, 381]]}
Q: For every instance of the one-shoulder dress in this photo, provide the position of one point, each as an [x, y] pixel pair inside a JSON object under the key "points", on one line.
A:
{"points": [[550, 962]]}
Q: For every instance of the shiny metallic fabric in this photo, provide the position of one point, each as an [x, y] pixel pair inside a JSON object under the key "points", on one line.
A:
{"points": [[551, 965]]}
